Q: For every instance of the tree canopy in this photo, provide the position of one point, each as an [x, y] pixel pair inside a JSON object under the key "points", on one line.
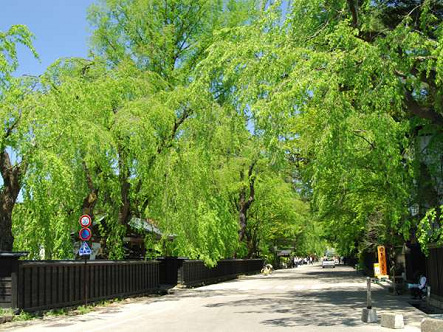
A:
{"points": [[234, 126]]}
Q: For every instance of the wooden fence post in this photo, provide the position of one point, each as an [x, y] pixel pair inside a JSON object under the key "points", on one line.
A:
{"points": [[9, 265]]}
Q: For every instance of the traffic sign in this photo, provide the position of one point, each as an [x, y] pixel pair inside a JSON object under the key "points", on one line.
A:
{"points": [[84, 249], [85, 220], [85, 234]]}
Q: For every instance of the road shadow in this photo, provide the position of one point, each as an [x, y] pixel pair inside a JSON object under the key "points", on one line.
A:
{"points": [[337, 303], [315, 308], [319, 308], [316, 271], [332, 273]]}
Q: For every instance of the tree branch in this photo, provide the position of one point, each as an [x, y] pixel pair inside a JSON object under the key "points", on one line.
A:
{"points": [[177, 123], [354, 11], [251, 185], [372, 144], [88, 177], [14, 124], [422, 112], [5, 165]]}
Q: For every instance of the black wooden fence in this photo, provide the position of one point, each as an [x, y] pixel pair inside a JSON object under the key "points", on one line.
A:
{"points": [[194, 272], [434, 269], [42, 285], [49, 284], [8, 278]]}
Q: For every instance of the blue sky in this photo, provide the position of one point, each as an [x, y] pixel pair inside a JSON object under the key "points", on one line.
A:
{"points": [[60, 30], [59, 26]]}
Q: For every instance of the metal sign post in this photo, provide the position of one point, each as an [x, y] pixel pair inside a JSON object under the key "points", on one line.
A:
{"points": [[85, 235], [86, 282], [368, 294], [368, 315]]}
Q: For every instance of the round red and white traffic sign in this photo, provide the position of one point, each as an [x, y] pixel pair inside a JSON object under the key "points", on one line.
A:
{"points": [[85, 220], [85, 234]]}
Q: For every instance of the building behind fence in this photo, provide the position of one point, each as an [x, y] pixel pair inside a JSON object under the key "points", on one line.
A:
{"points": [[42, 285]]}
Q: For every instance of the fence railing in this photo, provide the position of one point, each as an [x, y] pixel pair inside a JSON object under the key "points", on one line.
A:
{"points": [[194, 272], [434, 269], [42, 285]]}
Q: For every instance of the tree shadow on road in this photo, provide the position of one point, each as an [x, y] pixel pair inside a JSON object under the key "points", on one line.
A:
{"points": [[319, 309], [322, 308], [333, 274], [316, 272]]}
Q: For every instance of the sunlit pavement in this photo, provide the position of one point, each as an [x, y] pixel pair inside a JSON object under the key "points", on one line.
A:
{"points": [[307, 298]]}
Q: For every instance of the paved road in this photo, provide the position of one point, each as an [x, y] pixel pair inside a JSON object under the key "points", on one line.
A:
{"points": [[304, 299]]}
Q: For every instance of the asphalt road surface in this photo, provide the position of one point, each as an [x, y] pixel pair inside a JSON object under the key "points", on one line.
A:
{"points": [[303, 299]]}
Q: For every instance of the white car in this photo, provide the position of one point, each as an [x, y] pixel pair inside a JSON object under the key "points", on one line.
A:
{"points": [[328, 262]]}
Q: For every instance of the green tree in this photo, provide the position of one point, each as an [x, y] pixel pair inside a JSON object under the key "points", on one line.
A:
{"points": [[167, 39], [343, 86], [279, 217], [17, 136]]}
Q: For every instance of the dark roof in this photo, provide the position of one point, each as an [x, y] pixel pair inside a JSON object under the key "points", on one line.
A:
{"points": [[284, 253], [144, 225]]}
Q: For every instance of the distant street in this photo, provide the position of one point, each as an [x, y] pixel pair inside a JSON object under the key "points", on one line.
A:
{"points": [[307, 298]]}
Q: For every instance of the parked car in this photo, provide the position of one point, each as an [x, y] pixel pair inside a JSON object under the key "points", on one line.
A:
{"points": [[328, 262]]}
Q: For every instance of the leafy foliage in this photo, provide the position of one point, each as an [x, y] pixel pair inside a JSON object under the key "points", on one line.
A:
{"points": [[234, 127]]}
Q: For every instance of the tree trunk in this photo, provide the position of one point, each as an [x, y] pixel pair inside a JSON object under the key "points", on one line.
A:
{"points": [[242, 215], [252, 242], [8, 196], [89, 203], [125, 186], [245, 204], [124, 210], [91, 199], [6, 237]]}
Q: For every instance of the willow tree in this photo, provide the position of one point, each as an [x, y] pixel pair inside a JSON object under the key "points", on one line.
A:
{"points": [[193, 201], [17, 136], [342, 86], [381, 93], [123, 115], [165, 38]]}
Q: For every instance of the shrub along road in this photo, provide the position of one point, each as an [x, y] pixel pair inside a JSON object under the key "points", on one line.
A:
{"points": [[307, 298]]}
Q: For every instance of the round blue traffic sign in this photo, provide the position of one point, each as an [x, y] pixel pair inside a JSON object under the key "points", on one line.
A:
{"points": [[85, 234]]}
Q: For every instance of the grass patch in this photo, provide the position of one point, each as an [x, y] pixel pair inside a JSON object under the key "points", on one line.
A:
{"points": [[56, 312], [6, 312], [23, 315], [84, 309]]}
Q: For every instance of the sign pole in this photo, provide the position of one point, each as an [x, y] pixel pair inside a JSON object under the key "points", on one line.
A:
{"points": [[368, 295], [86, 281], [84, 235], [368, 315]]}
